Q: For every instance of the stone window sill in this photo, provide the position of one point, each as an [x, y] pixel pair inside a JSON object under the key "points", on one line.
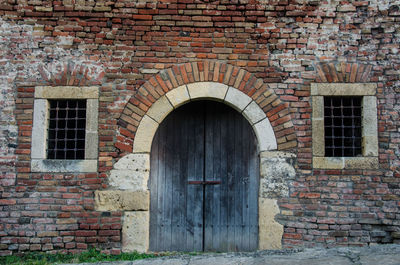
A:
{"points": [[369, 162], [63, 166]]}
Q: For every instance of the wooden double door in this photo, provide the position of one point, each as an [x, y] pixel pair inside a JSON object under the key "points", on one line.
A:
{"points": [[204, 181]]}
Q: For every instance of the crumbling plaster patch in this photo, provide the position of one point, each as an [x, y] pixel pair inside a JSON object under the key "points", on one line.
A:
{"points": [[276, 169], [270, 231]]}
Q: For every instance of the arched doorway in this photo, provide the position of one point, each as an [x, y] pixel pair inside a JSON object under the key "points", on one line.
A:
{"points": [[128, 180], [204, 174]]}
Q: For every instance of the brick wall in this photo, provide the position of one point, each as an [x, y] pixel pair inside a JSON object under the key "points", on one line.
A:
{"points": [[121, 45]]}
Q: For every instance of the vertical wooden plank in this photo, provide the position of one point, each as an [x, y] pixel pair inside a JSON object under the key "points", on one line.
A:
{"points": [[154, 193], [167, 206], [196, 172], [224, 187], [237, 179], [219, 113], [214, 112], [175, 204], [245, 188], [208, 171]]}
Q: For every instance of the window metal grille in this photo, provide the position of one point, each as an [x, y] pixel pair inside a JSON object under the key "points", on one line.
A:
{"points": [[67, 124], [342, 122]]}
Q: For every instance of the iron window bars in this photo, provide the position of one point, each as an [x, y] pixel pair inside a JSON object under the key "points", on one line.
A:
{"points": [[342, 124], [66, 133]]}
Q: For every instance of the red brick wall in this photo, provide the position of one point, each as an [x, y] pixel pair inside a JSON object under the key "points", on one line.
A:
{"points": [[122, 45]]}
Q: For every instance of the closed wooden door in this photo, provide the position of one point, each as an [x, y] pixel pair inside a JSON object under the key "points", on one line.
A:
{"points": [[204, 181]]}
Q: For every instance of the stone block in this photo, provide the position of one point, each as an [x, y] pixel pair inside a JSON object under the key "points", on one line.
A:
{"points": [[277, 154], [65, 92], [317, 107], [370, 145], [361, 162], [60, 166], [160, 109], [370, 126], [39, 135], [275, 173], [270, 231], [144, 135], [318, 137], [328, 162], [92, 115], [135, 231], [253, 113], [131, 172], [265, 135], [396, 235], [237, 99], [91, 142], [369, 120], [206, 90], [135, 161], [343, 89], [129, 179], [178, 96], [118, 200]]}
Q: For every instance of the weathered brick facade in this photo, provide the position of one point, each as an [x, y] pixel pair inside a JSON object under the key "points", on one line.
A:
{"points": [[136, 51]]}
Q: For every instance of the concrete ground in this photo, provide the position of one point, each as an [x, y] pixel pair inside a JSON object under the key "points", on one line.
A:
{"points": [[372, 255]]}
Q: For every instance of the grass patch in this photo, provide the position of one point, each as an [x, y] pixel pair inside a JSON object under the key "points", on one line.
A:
{"points": [[92, 255]]}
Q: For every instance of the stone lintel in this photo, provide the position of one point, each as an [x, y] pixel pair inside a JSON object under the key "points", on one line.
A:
{"points": [[343, 89], [66, 92]]}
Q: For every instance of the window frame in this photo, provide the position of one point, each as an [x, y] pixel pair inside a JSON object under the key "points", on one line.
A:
{"points": [[39, 161], [369, 158]]}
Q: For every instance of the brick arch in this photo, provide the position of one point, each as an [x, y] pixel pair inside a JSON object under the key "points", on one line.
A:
{"points": [[342, 72], [156, 87]]}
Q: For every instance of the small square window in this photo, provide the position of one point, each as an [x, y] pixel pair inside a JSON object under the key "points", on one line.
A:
{"points": [[344, 126], [64, 133]]}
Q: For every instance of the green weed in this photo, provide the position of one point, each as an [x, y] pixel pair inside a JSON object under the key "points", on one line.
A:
{"points": [[92, 255]]}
